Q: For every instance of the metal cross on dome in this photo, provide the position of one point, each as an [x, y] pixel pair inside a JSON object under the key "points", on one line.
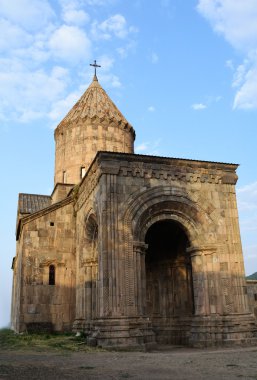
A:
{"points": [[95, 65]]}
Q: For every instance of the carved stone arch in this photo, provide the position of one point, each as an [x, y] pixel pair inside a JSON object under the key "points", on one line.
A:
{"points": [[168, 202], [148, 206], [188, 226], [90, 215]]}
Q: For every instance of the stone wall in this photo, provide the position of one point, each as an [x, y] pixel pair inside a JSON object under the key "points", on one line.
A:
{"points": [[47, 238], [77, 146], [132, 193], [110, 281]]}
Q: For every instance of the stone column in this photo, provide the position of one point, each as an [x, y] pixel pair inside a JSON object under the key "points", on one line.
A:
{"points": [[200, 273], [139, 253], [88, 290]]}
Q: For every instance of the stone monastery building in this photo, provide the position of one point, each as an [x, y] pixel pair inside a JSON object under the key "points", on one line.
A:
{"points": [[130, 249]]}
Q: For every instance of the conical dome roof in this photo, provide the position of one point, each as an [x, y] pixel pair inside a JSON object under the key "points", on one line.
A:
{"points": [[95, 103], [93, 124]]}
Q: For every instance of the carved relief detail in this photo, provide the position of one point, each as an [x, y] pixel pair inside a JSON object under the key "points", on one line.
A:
{"points": [[142, 171], [176, 173]]}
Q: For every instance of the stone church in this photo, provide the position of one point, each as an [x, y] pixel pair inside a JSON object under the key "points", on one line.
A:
{"points": [[130, 249]]}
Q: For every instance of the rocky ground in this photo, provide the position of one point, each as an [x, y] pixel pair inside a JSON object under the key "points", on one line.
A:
{"points": [[166, 363]]}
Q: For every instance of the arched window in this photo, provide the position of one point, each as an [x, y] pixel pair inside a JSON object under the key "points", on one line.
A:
{"points": [[92, 234], [51, 275], [82, 171]]}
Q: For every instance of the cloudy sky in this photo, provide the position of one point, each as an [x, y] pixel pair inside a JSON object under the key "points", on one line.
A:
{"points": [[184, 73]]}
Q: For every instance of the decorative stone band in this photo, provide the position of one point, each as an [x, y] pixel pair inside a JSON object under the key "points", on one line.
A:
{"points": [[177, 175], [100, 167]]}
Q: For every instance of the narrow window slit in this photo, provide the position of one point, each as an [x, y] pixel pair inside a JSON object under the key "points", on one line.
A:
{"points": [[51, 275]]}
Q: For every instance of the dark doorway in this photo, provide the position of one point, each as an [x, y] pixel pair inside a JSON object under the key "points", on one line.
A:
{"points": [[169, 289]]}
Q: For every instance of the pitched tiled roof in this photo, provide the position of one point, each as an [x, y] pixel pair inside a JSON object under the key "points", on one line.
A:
{"points": [[30, 203]]}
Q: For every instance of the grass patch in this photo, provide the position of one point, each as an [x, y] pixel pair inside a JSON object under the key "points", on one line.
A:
{"points": [[43, 342]]}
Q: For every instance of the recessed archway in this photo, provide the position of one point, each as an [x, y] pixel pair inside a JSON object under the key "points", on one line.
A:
{"points": [[169, 289]]}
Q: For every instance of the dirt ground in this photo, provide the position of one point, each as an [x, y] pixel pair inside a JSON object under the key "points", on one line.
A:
{"points": [[166, 363]]}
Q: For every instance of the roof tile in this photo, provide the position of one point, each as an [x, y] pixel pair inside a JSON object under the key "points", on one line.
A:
{"points": [[30, 203]]}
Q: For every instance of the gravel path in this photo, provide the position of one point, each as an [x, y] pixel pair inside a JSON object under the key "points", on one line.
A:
{"points": [[172, 363]]}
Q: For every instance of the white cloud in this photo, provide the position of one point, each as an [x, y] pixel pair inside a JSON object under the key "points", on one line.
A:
{"points": [[239, 74], [28, 115], [37, 44], [113, 26], [29, 14], [12, 36], [37, 90], [32, 55], [247, 197], [246, 80], [198, 106], [106, 62], [151, 108], [142, 147], [110, 80], [236, 21], [250, 189], [99, 2], [70, 43], [77, 17], [123, 51], [61, 107], [73, 13], [150, 147]]}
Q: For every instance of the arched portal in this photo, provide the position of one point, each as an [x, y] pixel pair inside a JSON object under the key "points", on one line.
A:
{"points": [[169, 289]]}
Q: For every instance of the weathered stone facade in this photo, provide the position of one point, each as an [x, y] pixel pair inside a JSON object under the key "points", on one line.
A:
{"points": [[252, 295], [46, 238], [144, 249]]}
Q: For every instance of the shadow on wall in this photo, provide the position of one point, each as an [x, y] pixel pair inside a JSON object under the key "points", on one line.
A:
{"points": [[46, 308]]}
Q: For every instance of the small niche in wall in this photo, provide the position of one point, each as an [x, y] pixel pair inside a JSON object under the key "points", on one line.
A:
{"points": [[51, 224], [255, 296]]}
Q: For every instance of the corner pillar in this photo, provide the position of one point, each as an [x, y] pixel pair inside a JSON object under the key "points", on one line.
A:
{"points": [[139, 252], [201, 259]]}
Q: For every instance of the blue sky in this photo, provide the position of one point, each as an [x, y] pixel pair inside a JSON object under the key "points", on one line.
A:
{"points": [[184, 73]]}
